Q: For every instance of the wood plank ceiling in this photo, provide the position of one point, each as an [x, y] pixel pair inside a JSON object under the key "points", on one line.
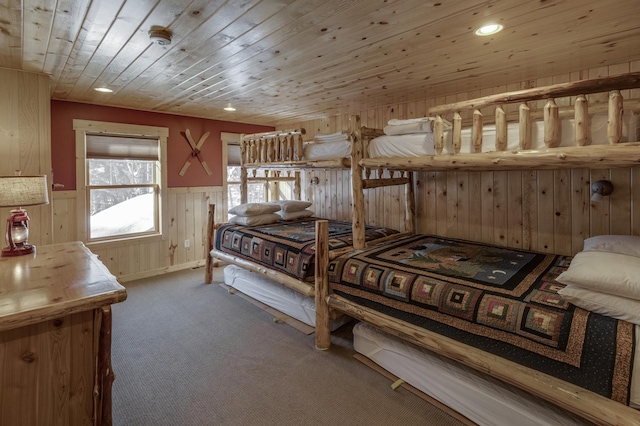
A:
{"points": [[280, 60]]}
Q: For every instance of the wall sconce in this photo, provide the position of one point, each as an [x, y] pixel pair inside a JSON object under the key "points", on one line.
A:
{"points": [[314, 181], [600, 189], [16, 192]]}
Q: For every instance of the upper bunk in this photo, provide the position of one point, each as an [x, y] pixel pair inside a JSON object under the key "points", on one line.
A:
{"points": [[286, 149], [552, 137]]}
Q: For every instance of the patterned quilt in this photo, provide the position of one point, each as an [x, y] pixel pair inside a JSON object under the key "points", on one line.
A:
{"points": [[500, 300], [288, 247]]}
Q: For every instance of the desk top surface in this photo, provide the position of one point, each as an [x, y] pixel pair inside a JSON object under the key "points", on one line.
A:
{"points": [[57, 280]]}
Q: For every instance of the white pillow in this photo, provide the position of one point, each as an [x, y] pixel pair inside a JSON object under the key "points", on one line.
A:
{"points": [[291, 205], [623, 244], [407, 129], [334, 137], [295, 215], [261, 219], [253, 209], [603, 303], [612, 273]]}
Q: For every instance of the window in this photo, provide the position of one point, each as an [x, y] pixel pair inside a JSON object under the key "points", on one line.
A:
{"points": [[259, 188], [256, 192], [122, 181]]}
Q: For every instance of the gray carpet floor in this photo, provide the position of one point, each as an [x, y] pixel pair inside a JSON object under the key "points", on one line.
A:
{"points": [[188, 353]]}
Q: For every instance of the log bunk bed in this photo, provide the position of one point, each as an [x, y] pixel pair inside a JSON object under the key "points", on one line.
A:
{"points": [[287, 286], [397, 302]]}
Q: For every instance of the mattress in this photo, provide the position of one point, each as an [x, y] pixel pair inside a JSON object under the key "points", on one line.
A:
{"points": [[499, 300], [479, 397], [413, 145], [326, 150], [277, 296]]}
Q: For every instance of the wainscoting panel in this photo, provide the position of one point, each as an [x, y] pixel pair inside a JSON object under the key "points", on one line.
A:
{"points": [[188, 209]]}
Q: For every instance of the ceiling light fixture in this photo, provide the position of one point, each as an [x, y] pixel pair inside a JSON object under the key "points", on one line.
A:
{"points": [[160, 35], [229, 108], [103, 90], [489, 29]]}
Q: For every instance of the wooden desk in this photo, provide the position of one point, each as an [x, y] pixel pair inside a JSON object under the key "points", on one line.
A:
{"points": [[55, 337]]}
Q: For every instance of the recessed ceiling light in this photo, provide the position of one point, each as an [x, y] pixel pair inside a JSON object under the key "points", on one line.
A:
{"points": [[489, 29], [103, 90], [229, 108]]}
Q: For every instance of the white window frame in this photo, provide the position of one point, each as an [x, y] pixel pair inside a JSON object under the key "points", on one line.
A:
{"points": [[81, 128], [227, 139]]}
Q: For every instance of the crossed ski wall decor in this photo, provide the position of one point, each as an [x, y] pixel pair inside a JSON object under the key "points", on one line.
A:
{"points": [[195, 152]]}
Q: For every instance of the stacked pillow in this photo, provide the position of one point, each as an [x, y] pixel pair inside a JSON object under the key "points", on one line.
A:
{"points": [[411, 126], [605, 277], [252, 214], [292, 209], [333, 137]]}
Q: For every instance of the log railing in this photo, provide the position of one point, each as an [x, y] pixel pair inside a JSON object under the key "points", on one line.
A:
{"points": [[551, 113], [271, 178], [272, 147], [528, 156]]}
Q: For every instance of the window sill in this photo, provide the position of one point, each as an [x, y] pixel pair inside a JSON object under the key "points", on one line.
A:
{"points": [[119, 242]]}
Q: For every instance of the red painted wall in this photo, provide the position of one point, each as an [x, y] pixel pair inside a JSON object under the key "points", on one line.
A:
{"points": [[63, 148]]}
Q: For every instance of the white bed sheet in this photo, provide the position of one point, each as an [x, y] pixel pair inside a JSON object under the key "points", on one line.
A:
{"points": [[326, 150], [479, 397], [414, 145], [276, 295]]}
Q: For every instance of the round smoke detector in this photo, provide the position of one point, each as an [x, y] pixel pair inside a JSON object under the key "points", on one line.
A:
{"points": [[159, 35]]}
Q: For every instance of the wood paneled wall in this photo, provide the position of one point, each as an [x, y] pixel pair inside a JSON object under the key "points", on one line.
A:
{"points": [[547, 211], [25, 141], [187, 208]]}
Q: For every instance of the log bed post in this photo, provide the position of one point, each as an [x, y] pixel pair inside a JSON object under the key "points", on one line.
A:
{"points": [[551, 124], [438, 134], [457, 132], [524, 125], [357, 187], [209, 263], [581, 121], [297, 187], [501, 129], [614, 123], [476, 132], [410, 206], [245, 153], [323, 333], [299, 155]]}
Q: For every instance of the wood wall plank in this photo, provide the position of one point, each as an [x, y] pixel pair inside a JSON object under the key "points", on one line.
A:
{"points": [[188, 209]]}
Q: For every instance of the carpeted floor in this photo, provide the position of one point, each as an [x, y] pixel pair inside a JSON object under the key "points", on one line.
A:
{"points": [[188, 353]]}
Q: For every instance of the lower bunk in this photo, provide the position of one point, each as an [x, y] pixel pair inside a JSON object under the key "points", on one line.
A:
{"points": [[479, 397], [277, 296], [493, 309], [274, 262]]}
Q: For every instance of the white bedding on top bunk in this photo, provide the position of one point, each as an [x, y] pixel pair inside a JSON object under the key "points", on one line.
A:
{"points": [[479, 397], [415, 145], [598, 126], [326, 150], [276, 295]]}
